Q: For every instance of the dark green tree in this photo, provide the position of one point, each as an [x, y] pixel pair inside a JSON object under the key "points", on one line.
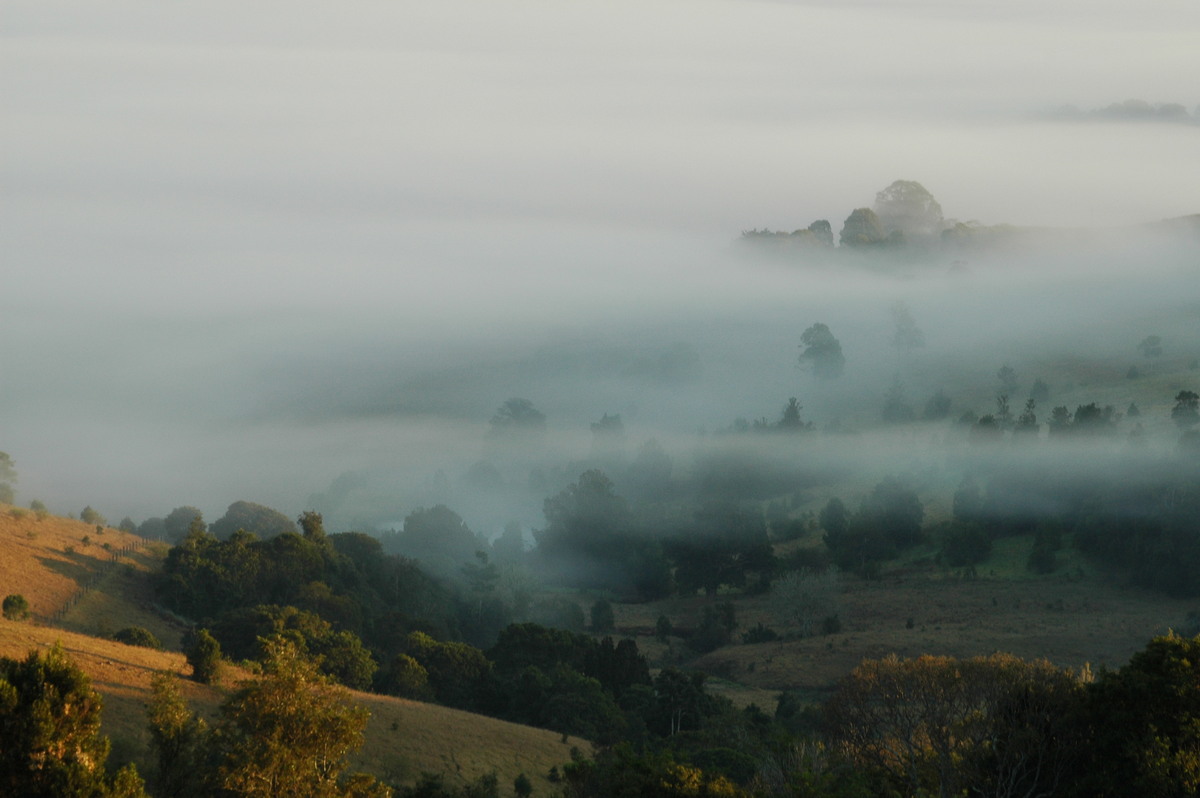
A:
{"points": [[259, 520], [50, 741], [862, 228], [602, 617], [15, 607], [204, 655], [179, 740], [822, 352], [1186, 412]]}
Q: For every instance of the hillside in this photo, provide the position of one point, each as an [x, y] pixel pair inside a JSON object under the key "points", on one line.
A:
{"points": [[403, 738]]}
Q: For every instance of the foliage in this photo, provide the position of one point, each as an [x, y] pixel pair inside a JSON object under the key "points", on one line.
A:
{"points": [[725, 544], [437, 537], [257, 519], [517, 417], [138, 636], [287, 732], [906, 206], [179, 741], [179, 522], [862, 228], [996, 724], [888, 521], [15, 607], [1145, 722], [822, 352], [1186, 412], [90, 516], [204, 655], [8, 475], [50, 724], [602, 617]]}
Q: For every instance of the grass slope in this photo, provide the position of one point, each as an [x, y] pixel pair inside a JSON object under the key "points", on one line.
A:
{"points": [[46, 561]]}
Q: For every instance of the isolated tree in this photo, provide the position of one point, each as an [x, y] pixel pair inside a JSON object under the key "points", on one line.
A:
{"points": [[517, 416], [179, 741], [287, 732], [1150, 346], [938, 406], [204, 655], [90, 516], [822, 352], [1027, 423], [896, 408], [790, 421], [906, 206], [1186, 412], [907, 336], [862, 228], [1008, 380], [8, 475], [822, 231], [603, 620], [50, 741], [16, 607], [138, 636]]}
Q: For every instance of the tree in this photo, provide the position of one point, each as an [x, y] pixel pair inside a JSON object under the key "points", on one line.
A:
{"points": [[998, 725], [90, 516], [179, 521], [603, 619], [1008, 380], [16, 607], [790, 421], [907, 207], [439, 538], [256, 519], [50, 732], [1150, 346], [287, 732], [204, 655], [862, 228], [896, 408], [1186, 412], [938, 406], [517, 416], [312, 525], [179, 740], [822, 352], [138, 636], [907, 335], [8, 475]]}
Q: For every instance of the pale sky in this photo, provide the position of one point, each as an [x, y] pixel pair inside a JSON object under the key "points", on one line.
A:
{"points": [[189, 189]]}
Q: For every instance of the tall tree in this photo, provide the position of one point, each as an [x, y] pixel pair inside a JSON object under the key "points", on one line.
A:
{"points": [[822, 352], [287, 732], [907, 207]]}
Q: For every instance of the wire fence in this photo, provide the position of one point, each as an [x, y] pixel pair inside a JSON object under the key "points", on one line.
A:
{"points": [[114, 560]]}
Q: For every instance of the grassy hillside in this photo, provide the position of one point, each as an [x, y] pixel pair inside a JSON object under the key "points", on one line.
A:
{"points": [[46, 561]]}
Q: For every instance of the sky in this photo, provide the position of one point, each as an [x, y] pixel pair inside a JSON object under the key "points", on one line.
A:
{"points": [[228, 228]]}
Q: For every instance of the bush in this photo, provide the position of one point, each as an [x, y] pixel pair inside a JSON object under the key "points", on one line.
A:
{"points": [[16, 608], [138, 636], [90, 516], [760, 634], [204, 655]]}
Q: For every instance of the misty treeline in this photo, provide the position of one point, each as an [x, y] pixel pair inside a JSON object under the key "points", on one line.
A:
{"points": [[906, 221]]}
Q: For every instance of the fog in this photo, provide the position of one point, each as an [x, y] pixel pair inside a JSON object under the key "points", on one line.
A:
{"points": [[249, 250]]}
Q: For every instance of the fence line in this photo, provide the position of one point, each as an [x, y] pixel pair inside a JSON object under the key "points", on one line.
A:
{"points": [[115, 556]]}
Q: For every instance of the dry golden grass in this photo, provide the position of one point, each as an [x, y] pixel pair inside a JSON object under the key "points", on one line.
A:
{"points": [[403, 738], [47, 561]]}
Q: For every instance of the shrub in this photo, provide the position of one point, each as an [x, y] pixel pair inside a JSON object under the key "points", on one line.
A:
{"points": [[760, 634], [204, 655], [16, 608], [138, 636], [90, 516]]}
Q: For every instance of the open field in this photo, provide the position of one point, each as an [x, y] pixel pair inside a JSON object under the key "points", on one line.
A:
{"points": [[1074, 617]]}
